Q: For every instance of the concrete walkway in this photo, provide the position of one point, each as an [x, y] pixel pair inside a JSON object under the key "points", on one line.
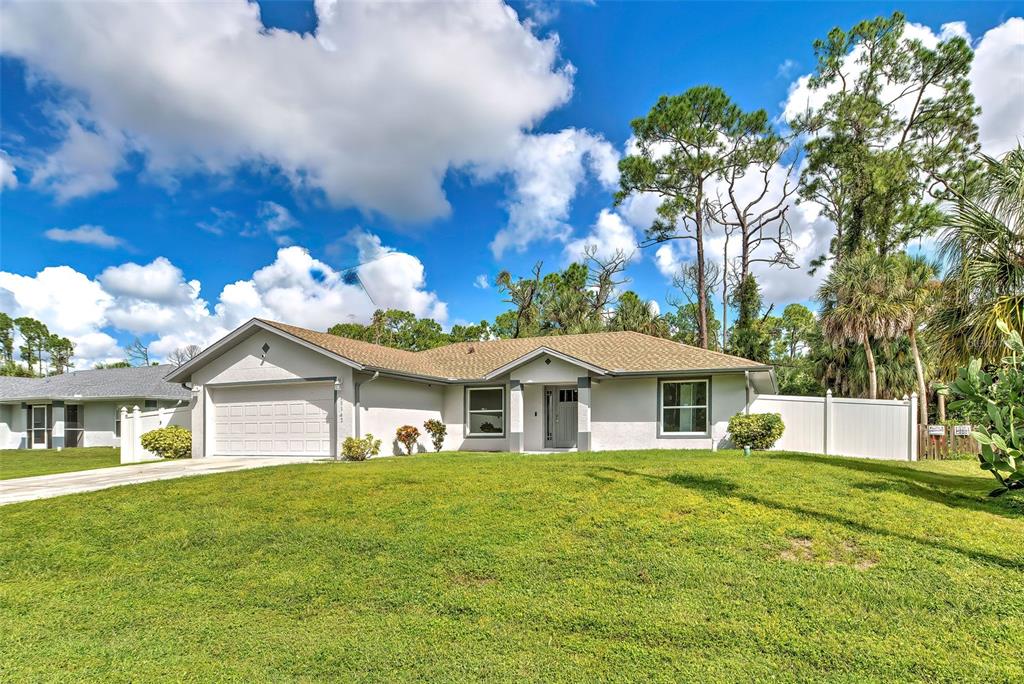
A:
{"points": [[59, 484]]}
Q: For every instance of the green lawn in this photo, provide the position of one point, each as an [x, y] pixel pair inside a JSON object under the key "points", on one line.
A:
{"points": [[660, 566], [27, 462]]}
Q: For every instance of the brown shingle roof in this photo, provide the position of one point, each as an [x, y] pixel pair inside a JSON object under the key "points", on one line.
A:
{"points": [[614, 352]]}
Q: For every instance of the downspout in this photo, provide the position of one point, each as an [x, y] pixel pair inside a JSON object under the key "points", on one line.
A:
{"points": [[746, 382], [355, 392]]}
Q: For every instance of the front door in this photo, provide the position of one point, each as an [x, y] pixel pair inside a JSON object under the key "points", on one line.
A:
{"points": [[560, 417], [37, 431]]}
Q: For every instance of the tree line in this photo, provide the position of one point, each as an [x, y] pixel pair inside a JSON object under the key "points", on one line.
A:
{"points": [[40, 351], [891, 158]]}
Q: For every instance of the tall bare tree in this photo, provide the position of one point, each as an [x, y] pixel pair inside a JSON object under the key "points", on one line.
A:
{"points": [[183, 355], [684, 144]]}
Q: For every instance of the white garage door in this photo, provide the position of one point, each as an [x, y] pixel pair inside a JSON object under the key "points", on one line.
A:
{"points": [[291, 420]]}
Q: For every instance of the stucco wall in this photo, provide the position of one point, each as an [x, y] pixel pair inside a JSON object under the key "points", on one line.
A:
{"points": [[624, 414], [244, 363], [386, 404], [99, 422]]}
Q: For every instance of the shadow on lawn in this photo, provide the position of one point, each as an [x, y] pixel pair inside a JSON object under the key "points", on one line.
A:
{"points": [[720, 487]]}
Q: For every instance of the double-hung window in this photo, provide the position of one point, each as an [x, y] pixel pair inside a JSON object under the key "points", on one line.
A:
{"points": [[486, 411], [684, 407]]}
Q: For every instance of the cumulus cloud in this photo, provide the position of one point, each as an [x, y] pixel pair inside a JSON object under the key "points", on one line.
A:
{"points": [[156, 302], [69, 302], [997, 81], [8, 179], [85, 235], [609, 235], [174, 82], [547, 171], [481, 282]]}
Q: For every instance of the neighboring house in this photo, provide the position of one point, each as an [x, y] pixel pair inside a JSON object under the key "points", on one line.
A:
{"points": [[80, 408], [270, 388]]}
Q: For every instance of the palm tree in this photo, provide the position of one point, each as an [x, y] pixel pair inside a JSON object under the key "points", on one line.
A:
{"points": [[633, 313], [983, 248], [919, 289], [861, 301]]}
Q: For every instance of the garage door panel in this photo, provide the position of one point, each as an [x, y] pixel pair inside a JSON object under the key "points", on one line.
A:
{"points": [[273, 419]]}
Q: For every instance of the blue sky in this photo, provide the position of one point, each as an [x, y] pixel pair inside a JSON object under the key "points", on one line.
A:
{"points": [[129, 140]]}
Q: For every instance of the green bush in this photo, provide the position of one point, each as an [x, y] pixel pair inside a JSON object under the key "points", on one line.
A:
{"points": [[437, 431], [172, 441], [998, 396], [756, 430], [355, 449], [407, 436]]}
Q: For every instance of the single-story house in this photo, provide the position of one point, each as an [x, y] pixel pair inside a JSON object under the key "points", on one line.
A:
{"points": [[80, 408], [269, 388]]}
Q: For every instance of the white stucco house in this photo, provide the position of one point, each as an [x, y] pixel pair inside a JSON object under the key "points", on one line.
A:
{"points": [[269, 388], [80, 408]]}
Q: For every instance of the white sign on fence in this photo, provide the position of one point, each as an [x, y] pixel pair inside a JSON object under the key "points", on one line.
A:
{"points": [[962, 430], [936, 430]]}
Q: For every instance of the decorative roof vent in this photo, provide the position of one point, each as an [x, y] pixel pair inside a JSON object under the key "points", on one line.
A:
{"points": [[547, 362], [265, 347]]}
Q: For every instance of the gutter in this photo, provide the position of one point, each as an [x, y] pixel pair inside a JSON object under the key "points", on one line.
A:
{"points": [[355, 392]]}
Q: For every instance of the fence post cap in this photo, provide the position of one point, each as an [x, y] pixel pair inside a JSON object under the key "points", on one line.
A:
{"points": [[913, 395], [124, 410], [828, 393], [135, 409]]}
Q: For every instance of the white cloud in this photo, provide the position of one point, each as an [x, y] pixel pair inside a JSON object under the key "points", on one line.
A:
{"points": [[69, 302], [481, 282], [85, 162], [547, 171], [276, 220], [997, 81], [159, 281], [85, 235], [175, 81], [7, 177], [222, 220], [787, 68], [156, 302], [609, 235]]}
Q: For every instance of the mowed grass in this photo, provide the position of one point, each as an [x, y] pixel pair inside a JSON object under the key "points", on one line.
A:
{"points": [[644, 566], [28, 462]]}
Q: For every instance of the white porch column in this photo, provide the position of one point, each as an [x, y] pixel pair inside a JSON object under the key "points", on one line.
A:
{"points": [[515, 416], [57, 429], [198, 419], [583, 414]]}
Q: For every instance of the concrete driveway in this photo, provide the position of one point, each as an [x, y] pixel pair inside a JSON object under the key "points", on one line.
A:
{"points": [[59, 484]]}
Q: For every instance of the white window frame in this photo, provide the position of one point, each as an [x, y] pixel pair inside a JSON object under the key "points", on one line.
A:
{"points": [[470, 412], [706, 406]]}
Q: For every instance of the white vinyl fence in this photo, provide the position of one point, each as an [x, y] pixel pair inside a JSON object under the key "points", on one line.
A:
{"points": [[865, 428], [136, 423]]}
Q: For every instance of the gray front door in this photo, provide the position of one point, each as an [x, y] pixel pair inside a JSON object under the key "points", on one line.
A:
{"points": [[560, 417]]}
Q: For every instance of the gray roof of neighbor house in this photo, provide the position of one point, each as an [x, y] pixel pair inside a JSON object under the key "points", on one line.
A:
{"points": [[143, 382]]}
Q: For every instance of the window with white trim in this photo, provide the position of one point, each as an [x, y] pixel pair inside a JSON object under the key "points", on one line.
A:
{"points": [[684, 407], [485, 408]]}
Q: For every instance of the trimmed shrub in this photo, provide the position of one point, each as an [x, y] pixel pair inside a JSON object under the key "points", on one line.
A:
{"points": [[437, 431], [355, 449], [172, 441], [407, 435], [757, 430]]}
